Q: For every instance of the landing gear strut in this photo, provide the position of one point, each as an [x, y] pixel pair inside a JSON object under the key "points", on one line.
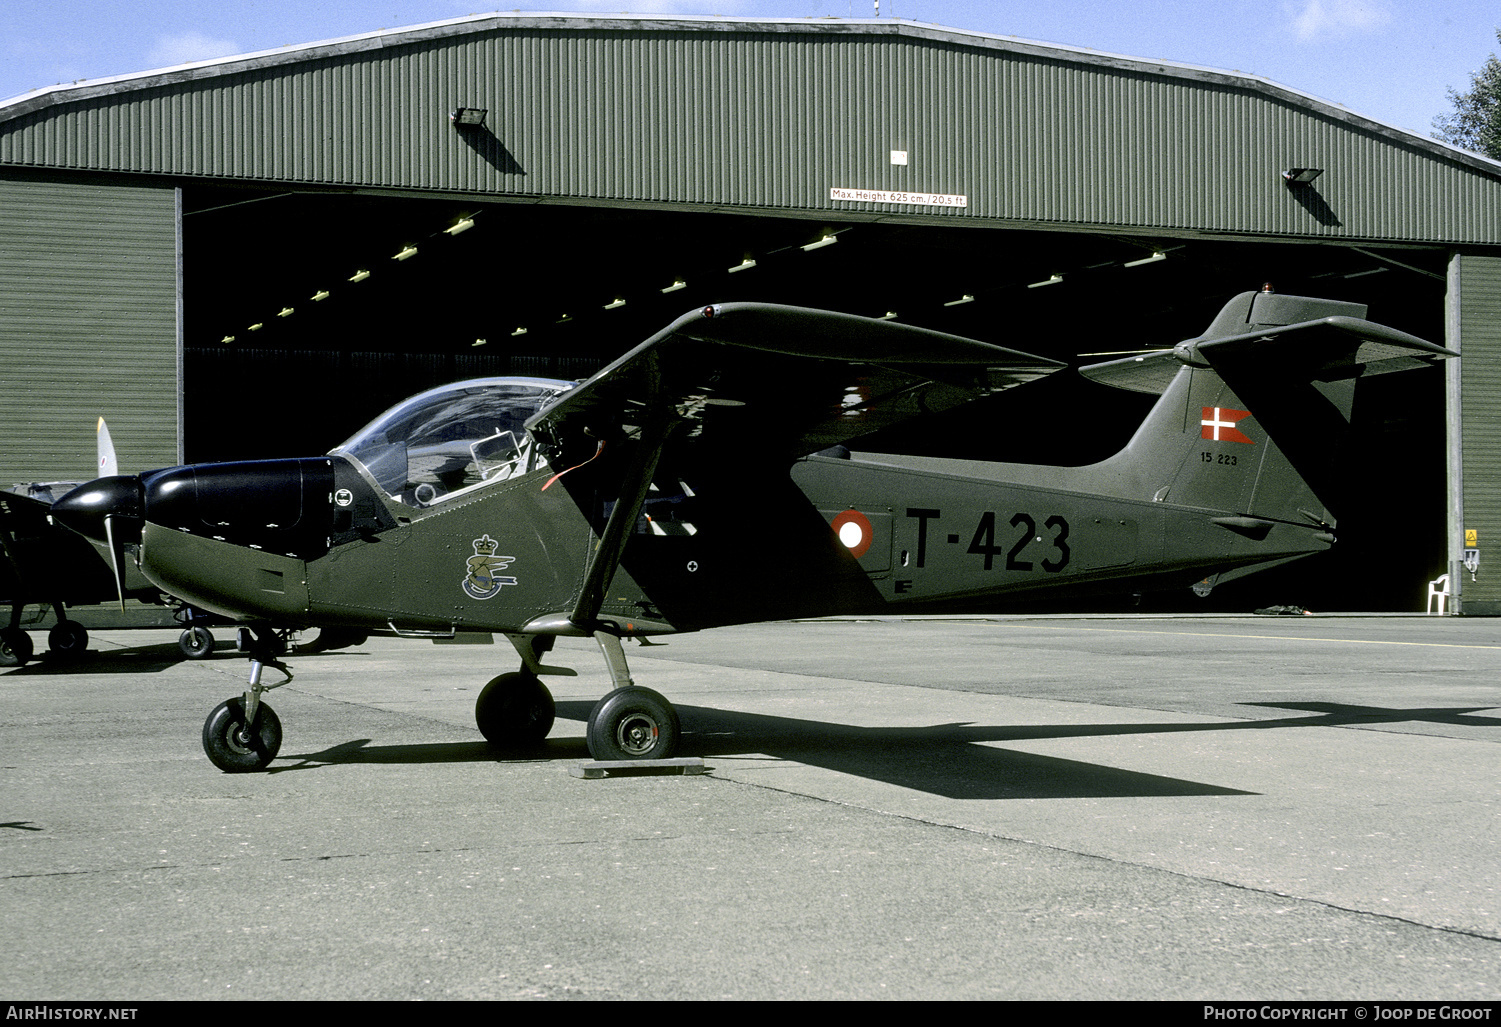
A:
{"points": [[630, 723], [243, 734], [515, 711]]}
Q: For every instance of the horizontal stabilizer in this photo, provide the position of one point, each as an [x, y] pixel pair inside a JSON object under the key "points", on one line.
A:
{"points": [[1327, 349], [1151, 373]]}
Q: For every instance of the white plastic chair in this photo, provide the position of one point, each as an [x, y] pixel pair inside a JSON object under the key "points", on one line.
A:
{"points": [[1438, 592]]}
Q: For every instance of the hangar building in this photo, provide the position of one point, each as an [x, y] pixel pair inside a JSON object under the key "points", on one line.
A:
{"points": [[252, 256]]}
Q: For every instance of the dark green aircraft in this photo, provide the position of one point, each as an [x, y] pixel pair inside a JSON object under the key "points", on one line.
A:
{"points": [[702, 480]]}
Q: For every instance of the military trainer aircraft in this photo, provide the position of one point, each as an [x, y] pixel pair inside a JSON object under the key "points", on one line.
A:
{"points": [[702, 480]]}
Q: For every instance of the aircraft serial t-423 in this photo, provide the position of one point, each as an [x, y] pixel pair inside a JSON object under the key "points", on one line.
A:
{"points": [[702, 480]]}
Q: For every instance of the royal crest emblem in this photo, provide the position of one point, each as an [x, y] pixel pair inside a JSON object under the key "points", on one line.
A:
{"points": [[482, 582]]}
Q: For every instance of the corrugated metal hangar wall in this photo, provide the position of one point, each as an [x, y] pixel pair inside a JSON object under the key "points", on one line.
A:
{"points": [[208, 255]]}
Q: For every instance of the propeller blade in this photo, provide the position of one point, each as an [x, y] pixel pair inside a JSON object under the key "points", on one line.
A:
{"points": [[116, 554], [108, 465]]}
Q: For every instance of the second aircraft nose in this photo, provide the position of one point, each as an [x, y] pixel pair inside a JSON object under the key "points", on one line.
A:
{"points": [[113, 506]]}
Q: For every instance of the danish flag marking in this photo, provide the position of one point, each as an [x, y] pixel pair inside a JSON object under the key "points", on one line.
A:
{"points": [[1219, 423]]}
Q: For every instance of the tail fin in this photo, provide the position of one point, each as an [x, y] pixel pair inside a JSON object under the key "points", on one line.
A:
{"points": [[1255, 413]]}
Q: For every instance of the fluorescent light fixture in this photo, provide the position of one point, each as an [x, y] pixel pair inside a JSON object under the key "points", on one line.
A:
{"points": [[889, 315], [1053, 280], [227, 339], [257, 326], [1301, 176], [407, 251], [966, 298], [462, 226], [320, 295], [827, 239], [479, 342], [677, 283], [1154, 258], [468, 117], [359, 276], [615, 304], [744, 265], [284, 312], [520, 330]]}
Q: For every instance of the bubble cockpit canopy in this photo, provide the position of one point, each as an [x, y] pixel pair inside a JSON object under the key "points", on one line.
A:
{"points": [[454, 438]]}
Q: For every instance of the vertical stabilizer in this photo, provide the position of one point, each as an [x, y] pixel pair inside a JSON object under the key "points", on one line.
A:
{"points": [[1254, 414]]}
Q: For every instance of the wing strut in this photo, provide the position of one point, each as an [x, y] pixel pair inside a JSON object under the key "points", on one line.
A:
{"points": [[633, 489]]}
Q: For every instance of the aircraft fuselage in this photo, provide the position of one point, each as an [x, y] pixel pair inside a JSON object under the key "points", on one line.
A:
{"points": [[511, 557]]}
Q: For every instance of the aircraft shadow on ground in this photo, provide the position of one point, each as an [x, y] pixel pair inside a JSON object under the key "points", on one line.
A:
{"points": [[940, 759], [1335, 714], [145, 659], [361, 751], [151, 659], [946, 759], [943, 759]]}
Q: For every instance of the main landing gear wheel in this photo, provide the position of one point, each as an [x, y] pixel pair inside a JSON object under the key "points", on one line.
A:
{"points": [[68, 639], [196, 643], [236, 747], [515, 711], [633, 723], [15, 647]]}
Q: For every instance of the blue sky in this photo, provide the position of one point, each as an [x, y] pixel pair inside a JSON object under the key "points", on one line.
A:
{"points": [[1392, 60]]}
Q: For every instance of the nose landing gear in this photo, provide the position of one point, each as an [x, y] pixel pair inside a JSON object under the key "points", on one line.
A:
{"points": [[243, 734]]}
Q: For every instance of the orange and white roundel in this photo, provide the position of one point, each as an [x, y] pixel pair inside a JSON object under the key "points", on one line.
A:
{"points": [[854, 530]]}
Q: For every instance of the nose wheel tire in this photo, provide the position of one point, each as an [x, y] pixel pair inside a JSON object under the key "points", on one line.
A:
{"points": [[633, 723], [236, 747], [515, 711], [196, 643]]}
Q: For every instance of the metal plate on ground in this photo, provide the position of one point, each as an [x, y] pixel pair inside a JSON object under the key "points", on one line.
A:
{"points": [[622, 768]]}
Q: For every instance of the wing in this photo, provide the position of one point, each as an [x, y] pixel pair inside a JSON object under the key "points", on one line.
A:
{"points": [[1327, 349], [728, 397], [789, 379]]}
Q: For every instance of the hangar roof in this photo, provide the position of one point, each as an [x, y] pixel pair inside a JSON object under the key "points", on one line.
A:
{"points": [[854, 119]]}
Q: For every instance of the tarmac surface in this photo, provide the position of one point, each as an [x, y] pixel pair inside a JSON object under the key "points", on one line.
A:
{"points": [[1012, 807]]}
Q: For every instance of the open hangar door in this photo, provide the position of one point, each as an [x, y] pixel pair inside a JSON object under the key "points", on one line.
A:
{"points": [[306, 314]]}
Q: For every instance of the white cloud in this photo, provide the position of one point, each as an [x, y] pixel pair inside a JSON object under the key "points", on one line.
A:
{"points": [[1322, 19], [187, 47]]}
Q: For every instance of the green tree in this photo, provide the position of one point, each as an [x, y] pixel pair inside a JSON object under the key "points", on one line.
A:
{"points": [[1475, 123]]}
